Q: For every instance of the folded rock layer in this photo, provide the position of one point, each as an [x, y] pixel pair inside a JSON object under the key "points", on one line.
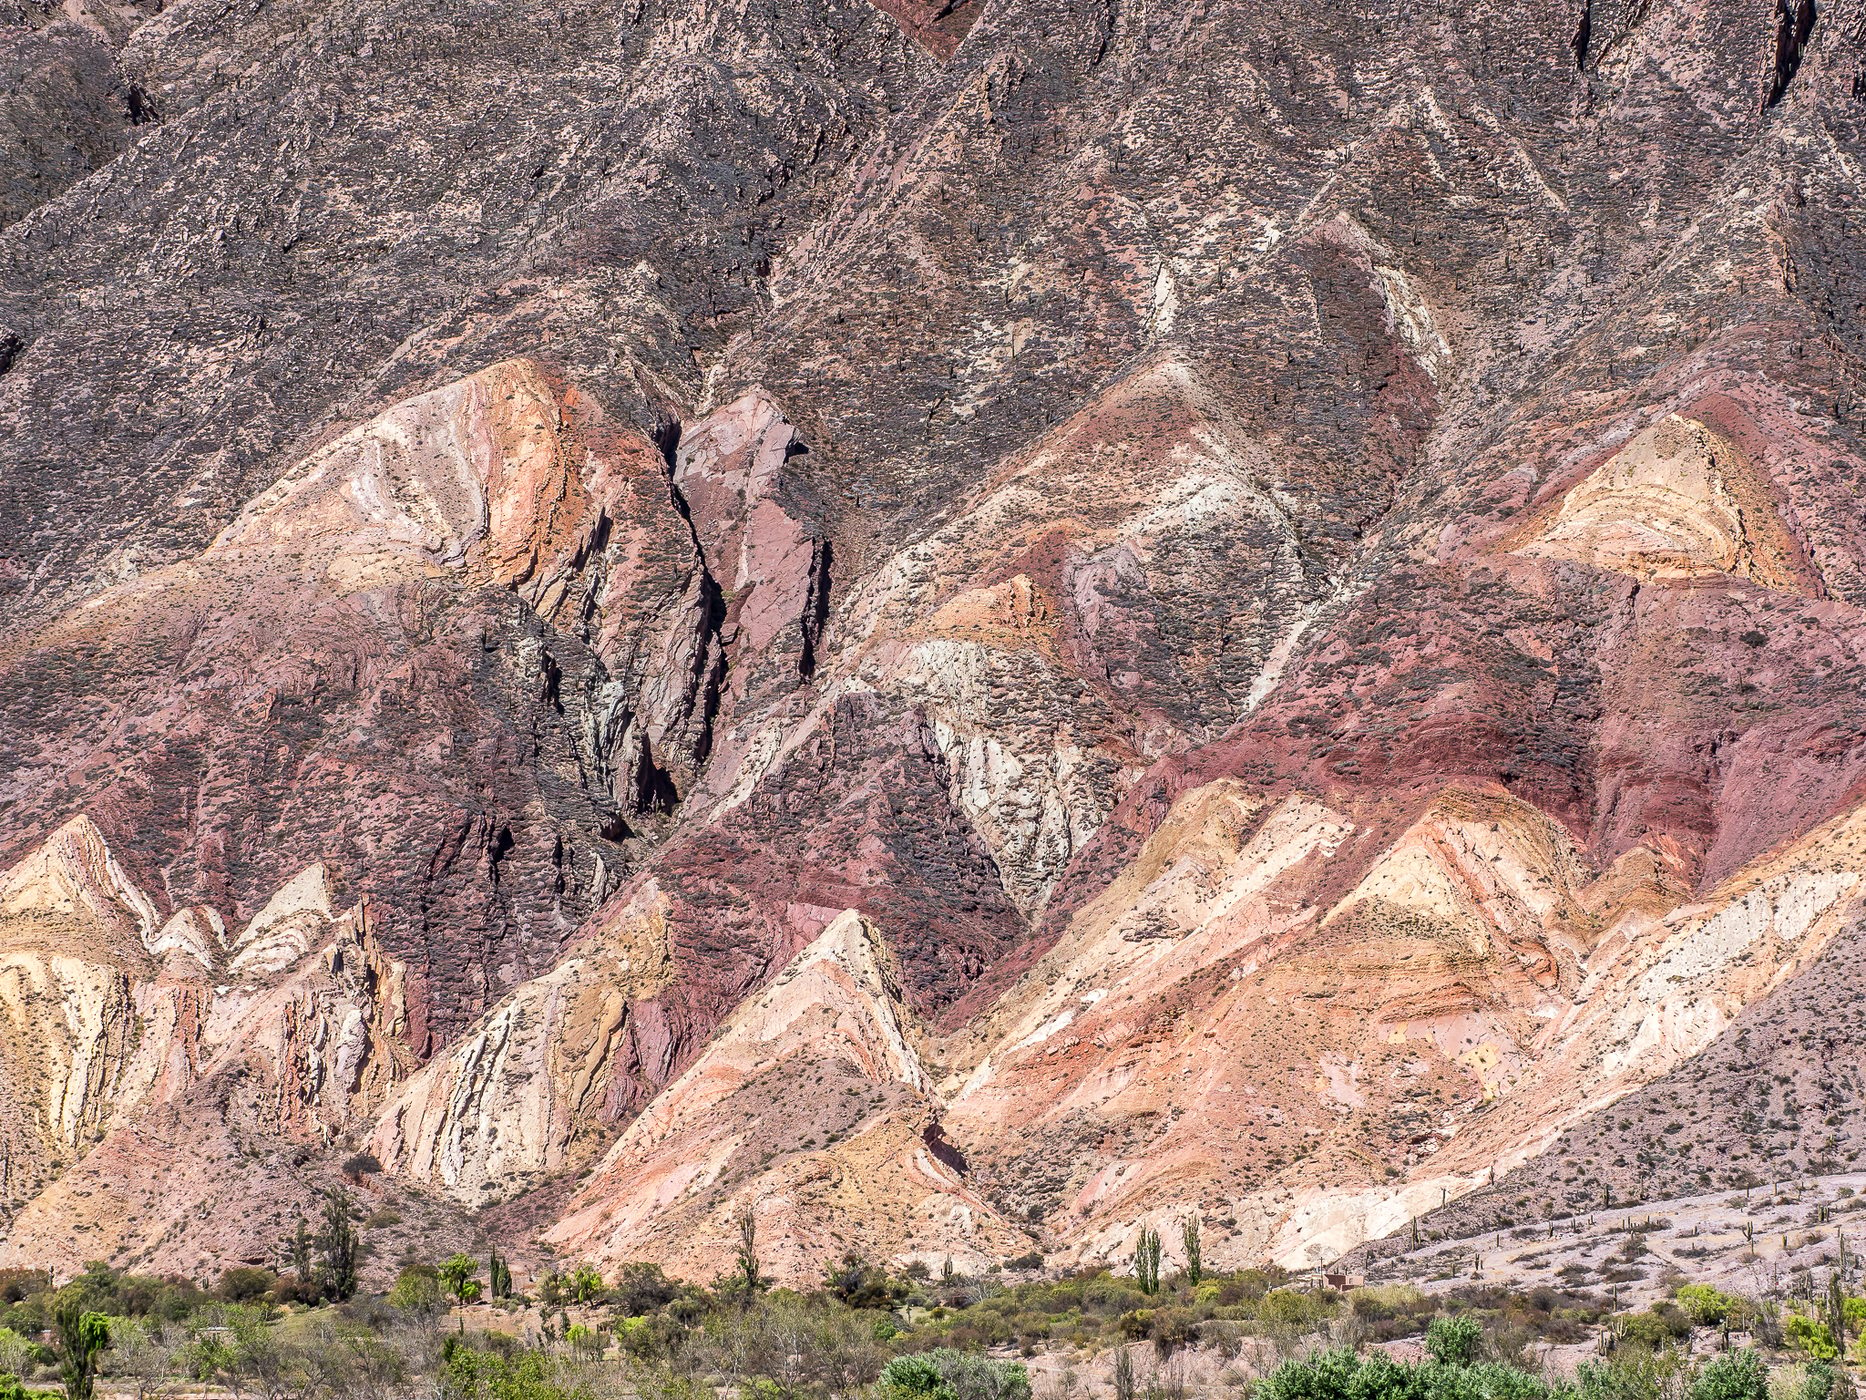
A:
{"points": [[929, 629]]}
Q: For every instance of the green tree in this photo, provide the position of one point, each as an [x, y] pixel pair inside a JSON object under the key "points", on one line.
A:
{"points": [[1147, 1260], [79, 1336], [456, 1272], [10, 1388], [299, 1251], [1195, 1256], [1736, 1375], [417, 1290], [585, 1284], [746, 1272], [1453, 1340], [498, 1276], [339, 1248]]}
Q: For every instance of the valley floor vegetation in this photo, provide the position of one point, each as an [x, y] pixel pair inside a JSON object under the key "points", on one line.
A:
{"points": [[458, 1329]]}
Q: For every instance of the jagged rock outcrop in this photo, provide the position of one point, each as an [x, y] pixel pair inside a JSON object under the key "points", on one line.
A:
{"points": [[524, 1095], [483, 570], [70, 921], [70, 109], [938, 25], [73, 882], [289, 1034], [810, 1112]]}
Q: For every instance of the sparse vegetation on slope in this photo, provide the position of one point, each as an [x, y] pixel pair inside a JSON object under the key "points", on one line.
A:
{"points": [[867, 1331]]}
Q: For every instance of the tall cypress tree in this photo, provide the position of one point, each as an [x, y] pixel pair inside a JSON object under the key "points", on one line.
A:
{"points": [[339, 1249]]}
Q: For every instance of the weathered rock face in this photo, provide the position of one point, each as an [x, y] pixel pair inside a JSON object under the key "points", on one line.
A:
{"points": [[1677, 502], [289, 1031], [475, 614], [70, 109], [1225, 1030], [517, 1099], [809, 1112], [1191, 611]]}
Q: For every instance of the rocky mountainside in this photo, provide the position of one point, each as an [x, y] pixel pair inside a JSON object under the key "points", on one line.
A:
{"points": [[955, 627]]}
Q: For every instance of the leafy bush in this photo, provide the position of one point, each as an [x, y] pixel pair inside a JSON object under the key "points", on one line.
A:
{"points": [[1736, 1375], [860, 1284], [945, 1374], [473, 1374], [1113, 1294], [1631, 1375], [1486, 1380], [16, 1352], [1172, 1329], [1657, 1327], [1453, 1340], [1336, 1374], [246, 1285], [1805, 1333], [417, 1290], [1707, 1306], [1340, 1374], [1289, 1306], [1822, 1382], [1384, 1301], [19, 1284], [641, 1288], [106, 1291], [914, 1378]]}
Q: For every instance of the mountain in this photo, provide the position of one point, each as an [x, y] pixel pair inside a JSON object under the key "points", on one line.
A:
{"points": [[949, 629]]}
